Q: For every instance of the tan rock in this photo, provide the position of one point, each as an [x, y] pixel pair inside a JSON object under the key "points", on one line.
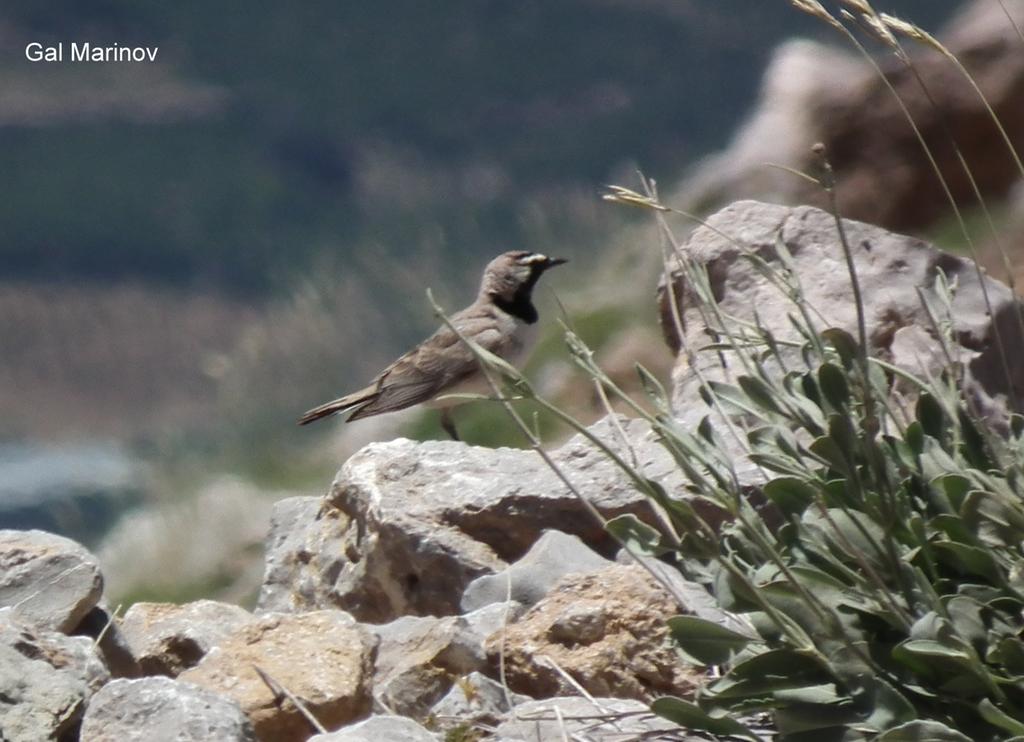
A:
{"points": [[606, 629], [166, 639], [324, 659]]}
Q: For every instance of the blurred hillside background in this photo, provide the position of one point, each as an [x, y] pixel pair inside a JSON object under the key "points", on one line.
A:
{"points": [[193, 252]]}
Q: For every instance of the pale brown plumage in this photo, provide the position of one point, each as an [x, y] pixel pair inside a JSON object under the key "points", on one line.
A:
{"points": [[443, 364]]}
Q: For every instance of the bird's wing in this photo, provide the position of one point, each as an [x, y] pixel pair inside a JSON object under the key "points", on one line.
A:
{"points": [[438, 363]]}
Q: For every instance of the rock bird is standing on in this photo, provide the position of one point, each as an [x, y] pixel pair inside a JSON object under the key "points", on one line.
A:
{"points": [[443, 364]]}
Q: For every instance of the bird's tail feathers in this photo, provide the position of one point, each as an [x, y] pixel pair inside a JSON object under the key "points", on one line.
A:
{"points": [[343, 404]]}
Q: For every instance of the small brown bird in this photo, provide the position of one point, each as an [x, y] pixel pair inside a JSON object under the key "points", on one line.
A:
{"points": [[442, 364]]}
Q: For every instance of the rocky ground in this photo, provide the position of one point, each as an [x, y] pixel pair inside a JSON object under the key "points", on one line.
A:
{"points": [[441, 591], [390, 610]]}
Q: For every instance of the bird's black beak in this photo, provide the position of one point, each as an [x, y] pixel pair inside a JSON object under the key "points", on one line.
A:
{"points": [[552, 262]]}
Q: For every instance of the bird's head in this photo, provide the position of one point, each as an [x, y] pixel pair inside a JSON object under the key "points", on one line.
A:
{"points": [[512, 275]]}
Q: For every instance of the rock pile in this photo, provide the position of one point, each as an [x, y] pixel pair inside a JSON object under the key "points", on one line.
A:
{"points": [[387, 612]]}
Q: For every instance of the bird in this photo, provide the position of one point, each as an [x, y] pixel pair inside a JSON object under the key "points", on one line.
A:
{"points": [[498, 321]]}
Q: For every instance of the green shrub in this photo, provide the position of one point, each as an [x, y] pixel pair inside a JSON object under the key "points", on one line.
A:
{"points": [[884, 587]]}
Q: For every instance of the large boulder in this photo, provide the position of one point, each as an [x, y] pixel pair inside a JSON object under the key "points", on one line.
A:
{"points": [[407, 526], [46, 681], [323, 659], [48, 581], [163, 710], [894, 272]]}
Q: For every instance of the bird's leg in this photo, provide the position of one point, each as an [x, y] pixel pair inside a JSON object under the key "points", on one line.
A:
{"points": [[448, 424]]}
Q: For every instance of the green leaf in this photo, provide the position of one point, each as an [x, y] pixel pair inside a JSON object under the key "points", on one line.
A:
{"points": [[841, 430], [760, 393], [970, 560], [905, 455], [998, 718], [953, 526], [931, 416], [707, 643], [973, 442], [944, 663], [956, 487], [965, 615], [915, 437], [768, 672], [810, 388], [993, 516], [790, 494], [706, 430], [787, 443], [732, 593], [844, 344], [849, 534], [929, 648], [990, 596], [799, 718], [929, 626], [790, 601], [1017, 425], [888, 706], [935, 461], [637, 535], [823, 695], [827, 448], [652, 387], [809, 408], [832, 381], [1008, 652], [692, 716], [732, 398], [922, 731], [777, 464]]}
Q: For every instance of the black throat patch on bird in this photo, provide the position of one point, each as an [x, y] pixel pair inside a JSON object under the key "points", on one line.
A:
{"points": [[520, 305]]}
